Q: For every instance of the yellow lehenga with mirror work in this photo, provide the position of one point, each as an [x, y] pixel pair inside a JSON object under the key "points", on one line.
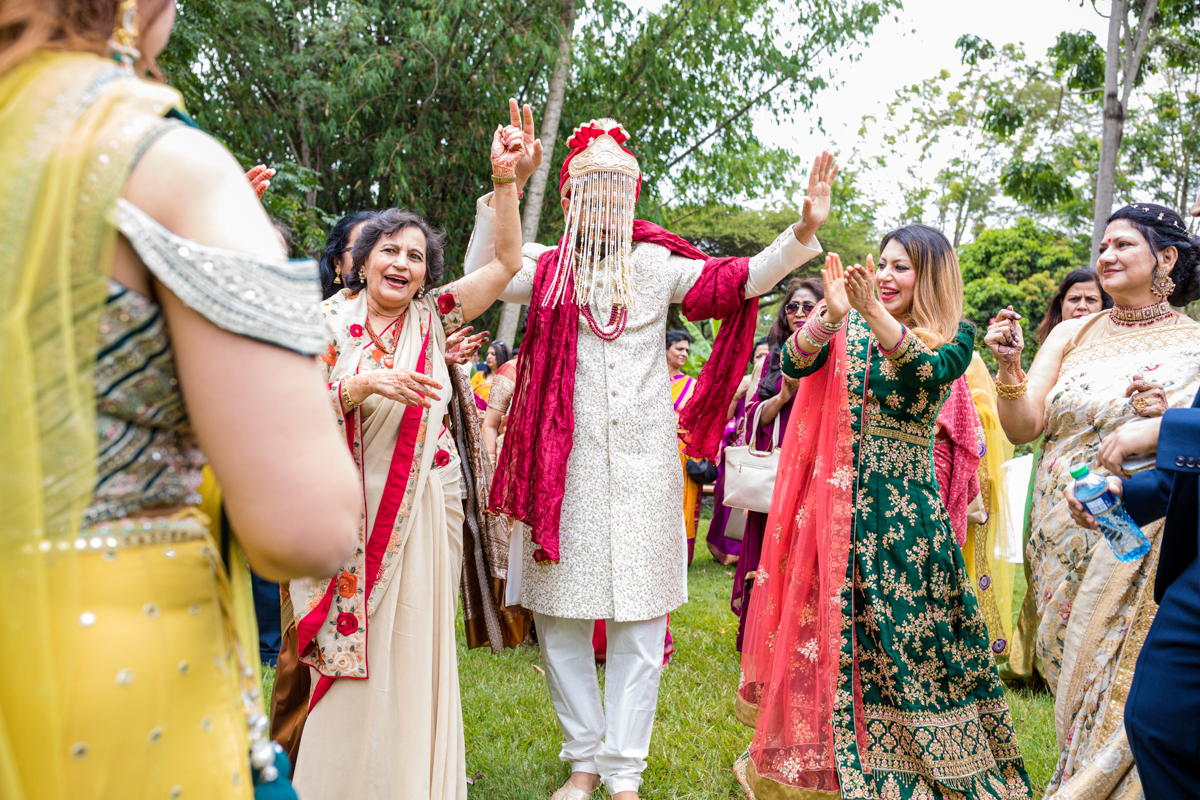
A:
{"points": [[124, 677]]}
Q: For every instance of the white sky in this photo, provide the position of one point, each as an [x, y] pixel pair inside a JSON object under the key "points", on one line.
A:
{"points": [[912, 48]]}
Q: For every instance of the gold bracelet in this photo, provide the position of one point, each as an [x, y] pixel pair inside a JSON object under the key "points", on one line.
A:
{"points": [[347, 400], [504, 179], [1009, 391]]}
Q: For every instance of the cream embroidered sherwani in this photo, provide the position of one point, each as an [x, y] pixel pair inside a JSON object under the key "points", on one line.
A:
{"points": [[622, 542]]}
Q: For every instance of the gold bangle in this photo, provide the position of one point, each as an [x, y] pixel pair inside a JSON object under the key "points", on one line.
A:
{"points": [[504, 179], [1009, 391], [347, 400]]}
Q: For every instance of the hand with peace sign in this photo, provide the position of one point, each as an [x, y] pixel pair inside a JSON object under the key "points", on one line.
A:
{"points": [[519, 133]]}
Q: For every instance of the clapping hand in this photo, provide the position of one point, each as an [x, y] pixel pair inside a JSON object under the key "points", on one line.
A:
{"points": [[837, 303], [1006, 339], [461, 347], [818, 199], [260, 179], [860, 288], [515, 151]]}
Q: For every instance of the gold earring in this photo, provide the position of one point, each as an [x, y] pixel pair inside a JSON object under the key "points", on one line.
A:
{"points": [[1162, 285], [123, 44], [337, 276]]}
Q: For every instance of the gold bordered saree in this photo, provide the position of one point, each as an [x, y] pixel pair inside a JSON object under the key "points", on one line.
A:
{"points": [[1093, 611]]}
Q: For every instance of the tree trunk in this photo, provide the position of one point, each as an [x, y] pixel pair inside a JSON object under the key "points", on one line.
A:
{"points": [[535, 192], [1114, 125]]}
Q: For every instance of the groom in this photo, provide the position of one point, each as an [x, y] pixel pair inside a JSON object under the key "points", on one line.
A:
{"points": [[591, 458]]}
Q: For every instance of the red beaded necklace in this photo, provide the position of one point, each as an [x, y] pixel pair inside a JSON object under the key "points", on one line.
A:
{"points": [[398, 322], [618, 318]]}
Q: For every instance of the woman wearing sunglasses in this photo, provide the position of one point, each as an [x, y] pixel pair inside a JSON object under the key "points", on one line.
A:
{"points": [[774, 396]]}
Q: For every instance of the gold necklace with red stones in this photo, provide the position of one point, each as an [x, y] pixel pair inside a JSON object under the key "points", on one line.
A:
{"points": [[379, 342], [1140, 317]]}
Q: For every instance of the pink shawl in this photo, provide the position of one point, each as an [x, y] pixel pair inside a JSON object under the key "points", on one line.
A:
{"points": [[956, 459], [531, 475]]}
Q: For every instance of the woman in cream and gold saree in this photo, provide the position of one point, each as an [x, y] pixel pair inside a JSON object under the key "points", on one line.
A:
{"points": [[385, 718], [1090, 377], [132, 670]]}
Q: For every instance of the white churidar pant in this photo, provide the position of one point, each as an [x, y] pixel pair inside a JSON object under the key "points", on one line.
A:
{"points": [[610, 741]]}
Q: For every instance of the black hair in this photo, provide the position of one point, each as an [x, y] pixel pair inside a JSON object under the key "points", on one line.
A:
{"points": [[1054, 310], [761, 342], [677, 336], [387, 223], [335, 245], [780, 329], [1164, 228], [502, 356]]}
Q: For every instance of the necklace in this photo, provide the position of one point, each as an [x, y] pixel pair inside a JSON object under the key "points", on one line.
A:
{"points": [[1139, 317], [618, 318], [379, 342]]}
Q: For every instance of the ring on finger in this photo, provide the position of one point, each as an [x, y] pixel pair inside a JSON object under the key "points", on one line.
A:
{"points": [[1140, 403]]}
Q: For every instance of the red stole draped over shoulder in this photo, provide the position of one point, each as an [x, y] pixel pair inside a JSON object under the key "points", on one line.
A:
{"points": [[531, 475]]}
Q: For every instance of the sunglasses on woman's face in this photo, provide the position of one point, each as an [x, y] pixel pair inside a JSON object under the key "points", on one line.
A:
{"points": [[806, 307]]}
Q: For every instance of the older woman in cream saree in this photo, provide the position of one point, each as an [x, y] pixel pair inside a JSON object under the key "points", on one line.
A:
{"points": [[1094, 611], [385, 719]]}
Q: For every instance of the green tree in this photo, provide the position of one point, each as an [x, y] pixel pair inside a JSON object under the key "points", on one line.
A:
{"points": [[1020, 265], [369, 103]]}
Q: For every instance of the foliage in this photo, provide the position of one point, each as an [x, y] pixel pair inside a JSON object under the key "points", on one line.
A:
{"points": [[1006, 139], [1019, 266], [369, 103], [1163, 142]]}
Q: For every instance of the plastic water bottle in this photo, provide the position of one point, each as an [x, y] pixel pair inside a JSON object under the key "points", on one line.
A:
{"points": [[1123, 535]]}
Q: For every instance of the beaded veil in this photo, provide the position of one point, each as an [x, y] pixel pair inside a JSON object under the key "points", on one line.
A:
{"points": [[603, 180]]}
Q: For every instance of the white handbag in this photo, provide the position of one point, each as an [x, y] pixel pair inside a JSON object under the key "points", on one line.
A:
{"points": [[750, 473]]}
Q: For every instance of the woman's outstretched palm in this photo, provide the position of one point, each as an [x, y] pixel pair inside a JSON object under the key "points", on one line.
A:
{"points": [[833, 277]]}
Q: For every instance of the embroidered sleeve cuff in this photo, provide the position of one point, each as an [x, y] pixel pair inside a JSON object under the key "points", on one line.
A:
{"points": [[781, 257], [796, 358], [908, 349], [448, 306]]}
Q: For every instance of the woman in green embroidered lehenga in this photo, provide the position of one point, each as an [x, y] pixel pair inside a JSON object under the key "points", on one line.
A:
{"points": [[867, 668]]}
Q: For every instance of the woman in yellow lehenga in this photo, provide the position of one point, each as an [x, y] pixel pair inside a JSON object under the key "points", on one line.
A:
{"points": [[124, 675]]}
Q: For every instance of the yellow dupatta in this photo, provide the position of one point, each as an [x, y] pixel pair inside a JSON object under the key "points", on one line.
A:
{"points": [[991, 575], [71, 128]]}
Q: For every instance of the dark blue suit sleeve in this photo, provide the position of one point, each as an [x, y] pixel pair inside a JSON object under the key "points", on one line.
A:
{"points": [[1179, 441], [1146, 495]]}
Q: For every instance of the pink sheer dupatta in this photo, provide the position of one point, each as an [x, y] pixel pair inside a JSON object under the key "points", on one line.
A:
{"points": [[792, 645]]}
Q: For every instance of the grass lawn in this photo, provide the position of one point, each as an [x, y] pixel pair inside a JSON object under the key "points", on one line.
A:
{"points": [[513, 738]]}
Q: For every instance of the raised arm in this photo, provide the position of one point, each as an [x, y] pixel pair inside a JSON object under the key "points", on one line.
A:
{"points": [[790, 250], [798, 243], [479, 289], [482, 248]]}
